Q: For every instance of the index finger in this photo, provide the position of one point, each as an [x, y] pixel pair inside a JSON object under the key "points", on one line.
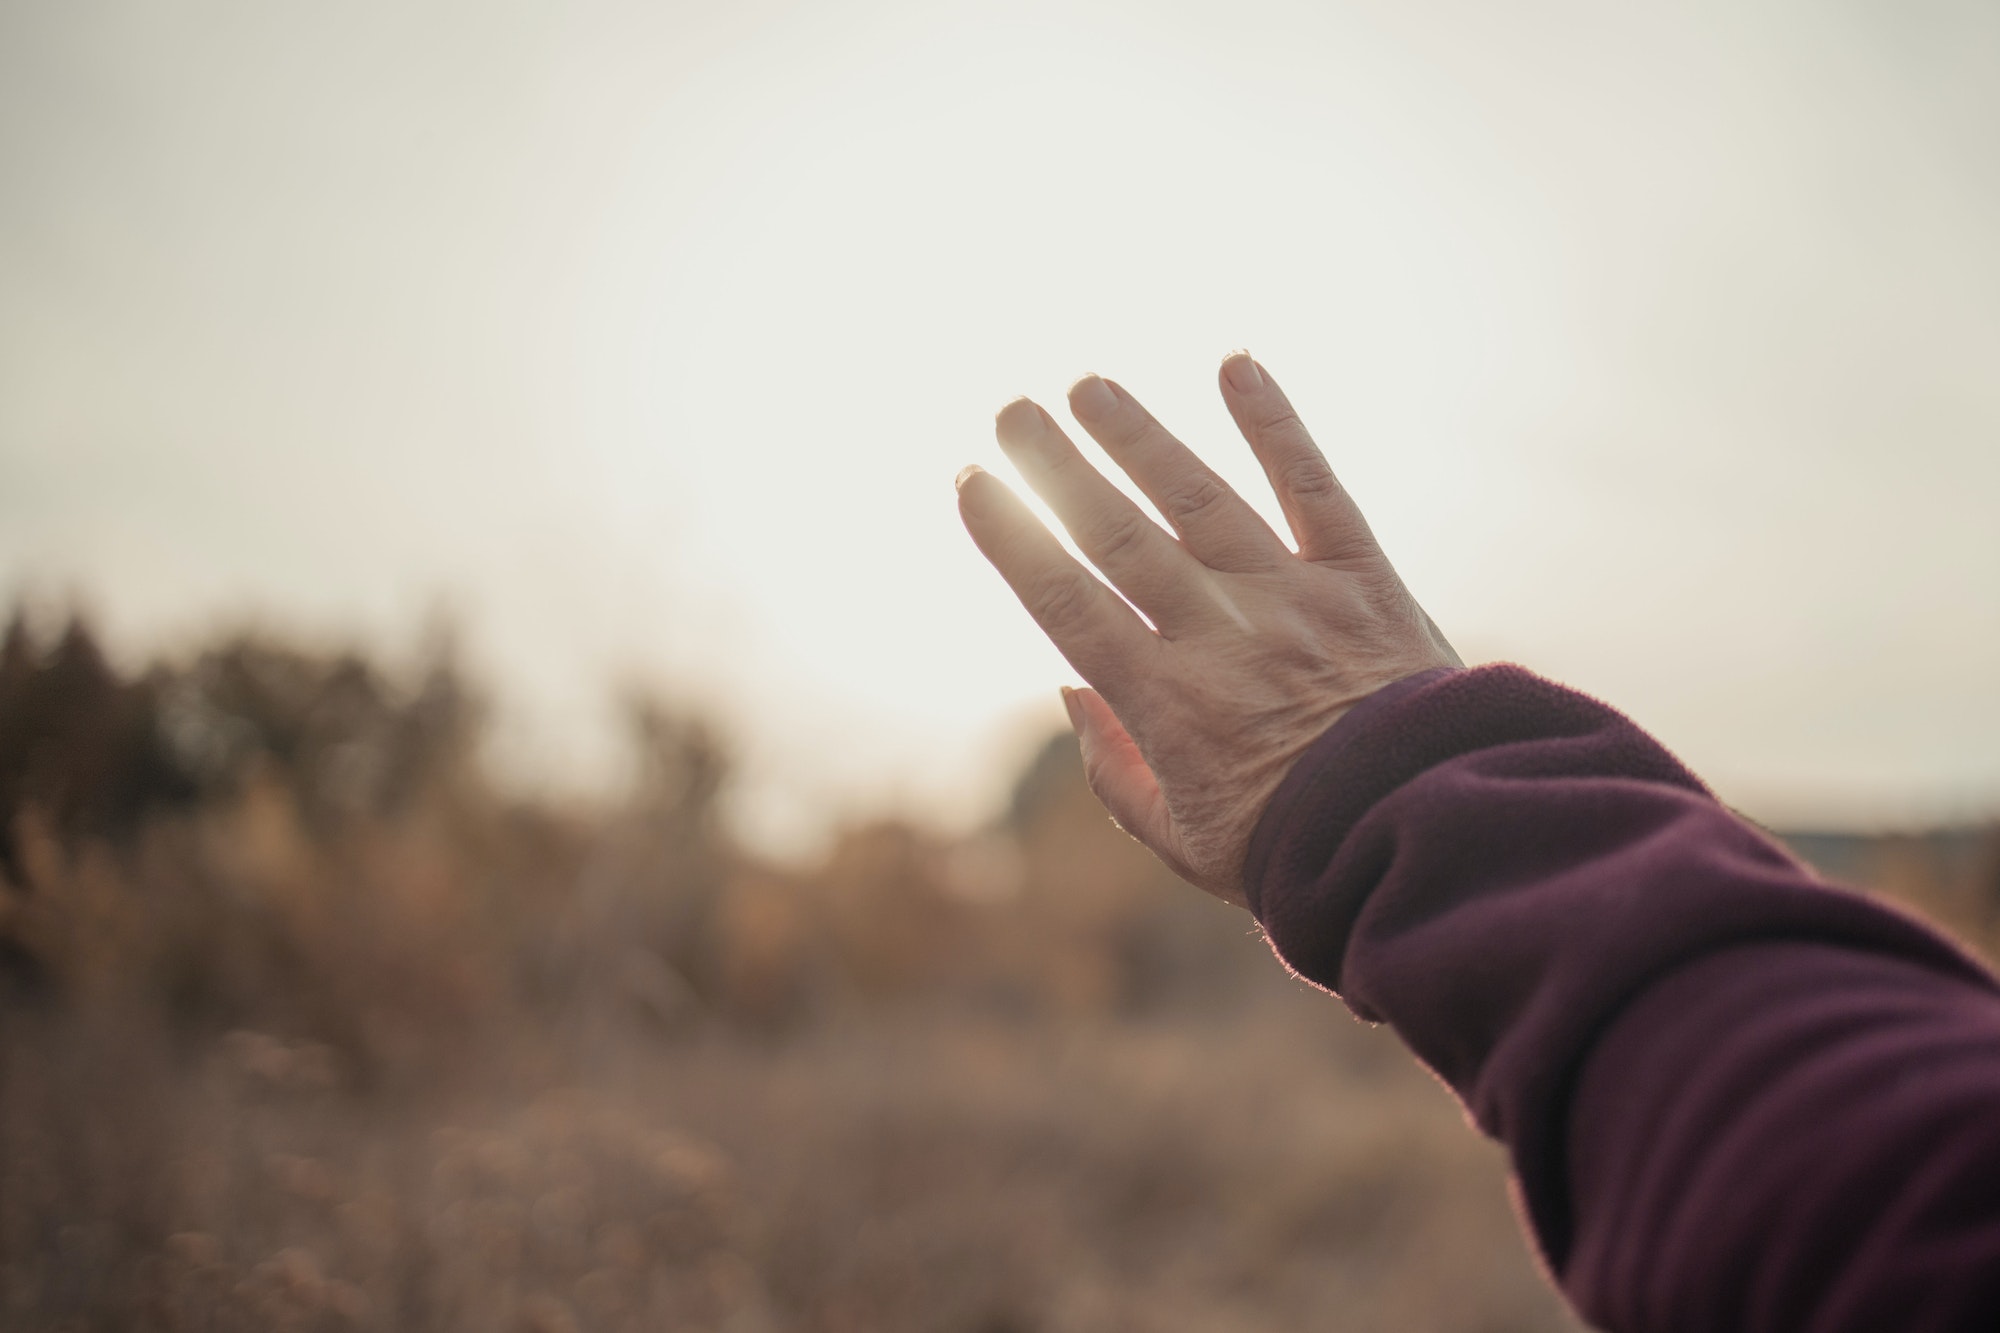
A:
{"points": [[1091, 626]]}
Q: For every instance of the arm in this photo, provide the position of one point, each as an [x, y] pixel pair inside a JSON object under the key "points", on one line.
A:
{"points": [[1735, 1098]]}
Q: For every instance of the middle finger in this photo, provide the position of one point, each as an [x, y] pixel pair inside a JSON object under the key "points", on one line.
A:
{"points": [[1218, 525]]}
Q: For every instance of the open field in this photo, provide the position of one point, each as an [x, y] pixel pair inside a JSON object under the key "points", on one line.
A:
{"points": [[307, 1025]]}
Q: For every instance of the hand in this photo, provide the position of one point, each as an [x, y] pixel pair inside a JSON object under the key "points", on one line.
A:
{"points": [[1253, 652]]}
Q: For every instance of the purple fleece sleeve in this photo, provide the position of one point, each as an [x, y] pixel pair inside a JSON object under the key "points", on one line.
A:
{"points": [[1735, 1097]]}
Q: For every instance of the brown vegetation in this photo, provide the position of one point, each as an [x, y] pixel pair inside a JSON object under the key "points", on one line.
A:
{"points": [[306, 1024]]}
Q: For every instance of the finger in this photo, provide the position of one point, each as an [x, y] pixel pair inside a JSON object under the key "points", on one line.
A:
{"points": [[1324, 519], [1218, 527], [1120, 777], [1101, 636], [1134, 552]]}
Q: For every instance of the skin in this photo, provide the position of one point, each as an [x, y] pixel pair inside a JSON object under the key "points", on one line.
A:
{"points": [[1254, 649]]}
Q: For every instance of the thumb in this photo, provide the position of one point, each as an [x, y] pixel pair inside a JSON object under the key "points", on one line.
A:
{"points": [[1119, 775]]}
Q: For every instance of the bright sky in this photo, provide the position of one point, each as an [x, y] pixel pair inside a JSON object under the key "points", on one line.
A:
{"points": [[1661, 344]]}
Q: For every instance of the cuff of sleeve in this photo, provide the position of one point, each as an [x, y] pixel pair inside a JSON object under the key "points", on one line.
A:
{"points": [[1387, 740], [1304, 815]]}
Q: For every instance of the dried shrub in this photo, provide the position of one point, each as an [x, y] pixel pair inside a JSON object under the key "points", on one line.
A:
{"points": [[305, 1022]]}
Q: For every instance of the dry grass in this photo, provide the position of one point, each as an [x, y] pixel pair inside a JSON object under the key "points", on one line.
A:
{"points": [[307, 1026]]}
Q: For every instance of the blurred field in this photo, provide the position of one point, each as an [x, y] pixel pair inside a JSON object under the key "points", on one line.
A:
{"points": [[305, 1023]]}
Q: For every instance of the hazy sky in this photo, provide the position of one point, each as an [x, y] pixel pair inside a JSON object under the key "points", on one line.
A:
{"points": [[1661, 344]]}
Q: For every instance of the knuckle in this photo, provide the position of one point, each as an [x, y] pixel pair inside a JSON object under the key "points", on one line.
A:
{"points": [[1281, 420], [1061, 464], [1061, 602], [1308, 476], [1096, 775], [1385, 591], [1131, 427], [1121, 537], [1193, 495]]}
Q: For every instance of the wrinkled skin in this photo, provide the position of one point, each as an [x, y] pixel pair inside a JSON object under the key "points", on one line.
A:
{"points": [[1254, 649]]}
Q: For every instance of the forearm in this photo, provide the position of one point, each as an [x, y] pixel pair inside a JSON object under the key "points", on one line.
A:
{"points": [[1791, 1136], [1511, 874]]}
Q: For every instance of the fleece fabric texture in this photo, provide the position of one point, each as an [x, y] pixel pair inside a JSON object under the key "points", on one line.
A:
{"points": [[1735, 1097]]}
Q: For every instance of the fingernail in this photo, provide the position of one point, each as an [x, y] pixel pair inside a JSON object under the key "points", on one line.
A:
{"points": [[1074, 707], [1020, 422], [1092, 399], [1241, 371], [965, 474]]}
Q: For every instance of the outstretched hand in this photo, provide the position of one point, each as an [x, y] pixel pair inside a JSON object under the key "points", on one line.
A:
{"points": [[1253, 651]]}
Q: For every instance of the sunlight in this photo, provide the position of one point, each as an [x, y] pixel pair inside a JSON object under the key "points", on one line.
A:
{"points": [[651, 340], [964, 215]]}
